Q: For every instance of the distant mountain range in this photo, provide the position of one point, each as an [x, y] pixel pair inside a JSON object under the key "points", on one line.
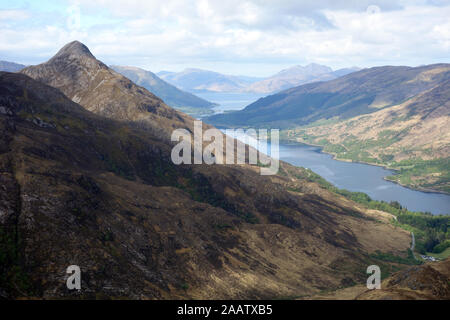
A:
{"points": [[296, 76], [393, 116], [11, 66], [197, 80], [171, 95]]}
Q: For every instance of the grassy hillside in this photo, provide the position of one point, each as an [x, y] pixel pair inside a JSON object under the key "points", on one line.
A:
{"points": [[412, 138]]}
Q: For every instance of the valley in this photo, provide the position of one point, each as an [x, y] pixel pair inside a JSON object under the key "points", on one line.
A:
{"points": [[357, 175], [224, 158], [417, 128], [411, 138], [366, 185], [397, 117], [85, 159], [364, 178]]}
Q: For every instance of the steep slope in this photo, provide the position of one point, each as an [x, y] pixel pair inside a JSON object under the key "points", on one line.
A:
{"points": [[103, 194], [296, 76], [174, 97], [89, 82], [197, 80], [10, 66], [413, 136], [358, 93]]}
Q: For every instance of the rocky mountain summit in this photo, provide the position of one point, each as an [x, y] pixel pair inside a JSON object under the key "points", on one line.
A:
{"points": [[91, 83]]}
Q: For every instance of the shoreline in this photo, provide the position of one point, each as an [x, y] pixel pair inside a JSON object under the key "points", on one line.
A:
{"points": [[425, 190]]}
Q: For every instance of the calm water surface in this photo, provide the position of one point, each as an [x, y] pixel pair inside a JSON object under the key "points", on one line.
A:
{"points": [[364, 178], [230, 101]]}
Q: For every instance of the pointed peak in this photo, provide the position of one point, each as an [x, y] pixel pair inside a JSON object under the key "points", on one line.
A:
{"points": [[74, 48]]}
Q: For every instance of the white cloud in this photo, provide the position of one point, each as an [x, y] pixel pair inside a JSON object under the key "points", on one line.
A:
{"points": [[15, 15], [238, 36]]}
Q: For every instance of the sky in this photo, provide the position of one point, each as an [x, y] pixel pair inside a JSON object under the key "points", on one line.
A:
{"points": [[245, 37]]}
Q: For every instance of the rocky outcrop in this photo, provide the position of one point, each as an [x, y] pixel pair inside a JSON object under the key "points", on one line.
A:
{"points": [[426, 282]]}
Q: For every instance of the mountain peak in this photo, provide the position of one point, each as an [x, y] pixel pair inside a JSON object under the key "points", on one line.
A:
{"points": [[75, 49]]}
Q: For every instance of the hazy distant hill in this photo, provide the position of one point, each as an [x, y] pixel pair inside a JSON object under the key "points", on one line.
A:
{"points": [[296, 76], [344, 71], [11, 66], [171, 95], [198, 80]]}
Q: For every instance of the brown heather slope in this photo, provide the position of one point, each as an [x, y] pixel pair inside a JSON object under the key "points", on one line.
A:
{"points": [[103, 194], [430, 281]]}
